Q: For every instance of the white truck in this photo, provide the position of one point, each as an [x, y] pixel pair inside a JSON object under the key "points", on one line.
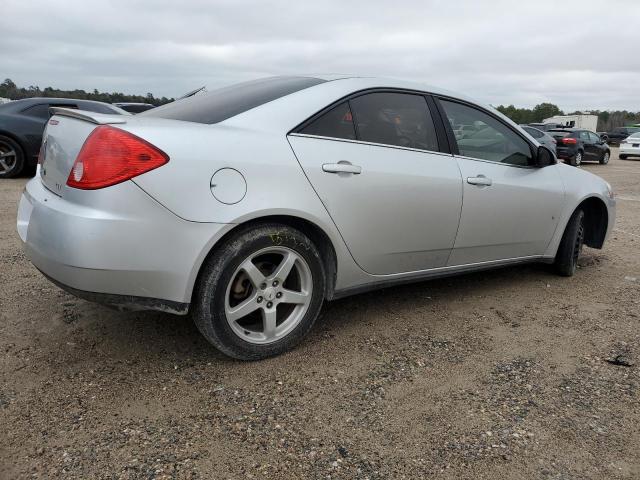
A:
{"points": [[586, 121]]}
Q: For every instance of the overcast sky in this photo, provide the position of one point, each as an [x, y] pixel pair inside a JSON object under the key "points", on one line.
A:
{"points": [[577, 54]]}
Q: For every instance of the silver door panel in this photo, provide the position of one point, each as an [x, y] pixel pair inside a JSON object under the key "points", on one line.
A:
{"points": [[512, 213], [399, 213]]}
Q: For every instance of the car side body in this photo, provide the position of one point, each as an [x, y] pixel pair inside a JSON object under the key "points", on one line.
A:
{"points": [[379, 213]]}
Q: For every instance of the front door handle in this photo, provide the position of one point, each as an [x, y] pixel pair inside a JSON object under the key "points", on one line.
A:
{"points": [[341, 168], [480, 180]]}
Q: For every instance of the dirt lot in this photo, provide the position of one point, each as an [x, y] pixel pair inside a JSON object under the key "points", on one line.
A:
{"points": [[493, 375]]}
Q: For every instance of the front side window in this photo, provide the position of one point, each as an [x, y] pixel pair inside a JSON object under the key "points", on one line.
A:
{"points": [[481, 136], [594, 138], [399, 119], [336, 123]]}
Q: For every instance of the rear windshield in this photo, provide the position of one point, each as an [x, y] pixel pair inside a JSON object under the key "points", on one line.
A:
{"points": [[224, 103], [559, 133]]}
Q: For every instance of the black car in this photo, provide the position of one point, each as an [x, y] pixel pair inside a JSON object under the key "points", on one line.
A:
{"points": [[22, 123], [576, 145], [134, 107], [615, 136]]}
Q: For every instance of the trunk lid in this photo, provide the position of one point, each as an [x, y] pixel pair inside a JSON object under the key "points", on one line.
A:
{"points": [[62, 140]]}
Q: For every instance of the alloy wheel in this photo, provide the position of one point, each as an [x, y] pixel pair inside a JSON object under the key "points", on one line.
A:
{"points": [[578, 159], [8, 157], [268, 295], [605, 158]]}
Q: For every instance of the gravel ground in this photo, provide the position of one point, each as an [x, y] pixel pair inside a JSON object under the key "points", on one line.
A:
{"points": [[514, 373]]}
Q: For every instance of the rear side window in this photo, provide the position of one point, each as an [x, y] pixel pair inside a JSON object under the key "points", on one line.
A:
{"points": [[488, 139], [336, 123], [399, 119], [224, 103], [584, 136]]}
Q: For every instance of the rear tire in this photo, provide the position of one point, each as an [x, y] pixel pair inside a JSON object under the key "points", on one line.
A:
{"points": [[577, 159], [605, 158], [11, 158], [245, 275], [571, 244], [623, 157]]}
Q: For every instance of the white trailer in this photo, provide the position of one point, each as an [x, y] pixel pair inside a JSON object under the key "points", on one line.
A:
{"points": [[586, 121]]}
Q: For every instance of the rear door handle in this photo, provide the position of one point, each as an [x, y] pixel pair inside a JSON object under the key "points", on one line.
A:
{"points": [[479, 180], [341, 168]]}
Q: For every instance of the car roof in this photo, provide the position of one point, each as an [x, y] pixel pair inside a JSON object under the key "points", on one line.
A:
{"points": [[293, 108]]}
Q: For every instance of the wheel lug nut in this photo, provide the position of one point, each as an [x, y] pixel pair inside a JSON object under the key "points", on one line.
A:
{"points": [[278, 295], [275, 283], [269, 304], [259, 299], [263, 286]]}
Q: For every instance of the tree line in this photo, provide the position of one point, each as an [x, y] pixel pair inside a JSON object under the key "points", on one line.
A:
{"points": [[607, 120], [8, 89]]}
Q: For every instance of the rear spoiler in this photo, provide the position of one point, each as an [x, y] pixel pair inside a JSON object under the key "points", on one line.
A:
{"points": [[97, 118]]}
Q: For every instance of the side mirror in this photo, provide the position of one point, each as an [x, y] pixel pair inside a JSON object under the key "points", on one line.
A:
{"points": [[544, 157]]}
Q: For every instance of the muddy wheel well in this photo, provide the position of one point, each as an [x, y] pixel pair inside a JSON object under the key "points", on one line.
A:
{"points": [[315, 233], [596, 220]]}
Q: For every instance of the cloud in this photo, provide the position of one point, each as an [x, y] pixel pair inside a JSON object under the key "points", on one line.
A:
{"points": [[578, 54]]}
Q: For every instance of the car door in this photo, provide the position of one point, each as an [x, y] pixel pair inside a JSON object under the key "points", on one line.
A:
{"points": [[598, 146], [375, 163], [510, 208], [591, 149]]}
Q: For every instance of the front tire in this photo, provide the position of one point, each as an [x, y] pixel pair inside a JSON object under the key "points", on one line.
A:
{"points": [[260, 293], [566, 261], [605, 158], [577, 159], [623, 157], [11, 158]]}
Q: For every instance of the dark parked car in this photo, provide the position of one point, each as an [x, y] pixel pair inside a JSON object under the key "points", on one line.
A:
{"points": [[134, 107], [576, 145], [543, 138], [22, 123], [615, 136]]}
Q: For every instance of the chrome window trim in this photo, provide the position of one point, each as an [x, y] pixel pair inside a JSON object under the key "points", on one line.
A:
{"points": [[529, 167], [373, 144]]}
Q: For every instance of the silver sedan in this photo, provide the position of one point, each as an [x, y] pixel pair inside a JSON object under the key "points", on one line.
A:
{"points": [[251, 205]]}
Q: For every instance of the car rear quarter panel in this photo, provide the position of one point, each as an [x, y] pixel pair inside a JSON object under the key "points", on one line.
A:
{"points": [[276, 184]]}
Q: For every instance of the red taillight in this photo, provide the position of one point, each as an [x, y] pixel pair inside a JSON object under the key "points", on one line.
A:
{"points": [[569, 141], [110, 156]]}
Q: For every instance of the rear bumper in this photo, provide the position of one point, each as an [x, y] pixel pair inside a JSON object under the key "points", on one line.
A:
{"points": [[566, 153], [629, 150], [125, 250]]}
